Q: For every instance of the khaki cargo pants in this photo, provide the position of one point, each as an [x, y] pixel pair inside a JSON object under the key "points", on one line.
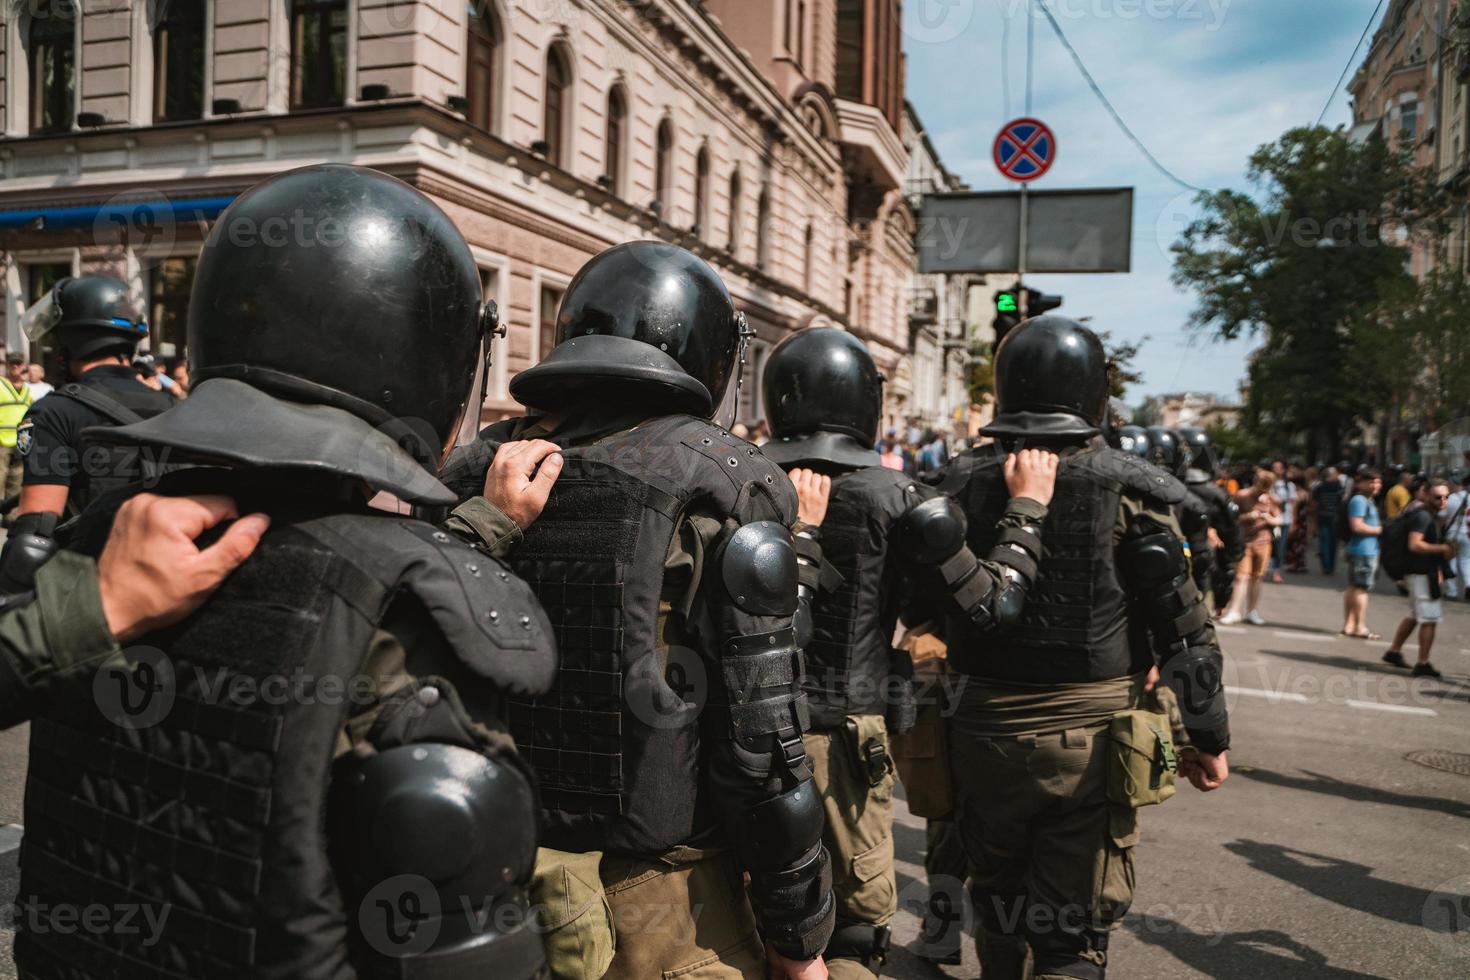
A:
{"points": [[1051, 859], [854, 774]]}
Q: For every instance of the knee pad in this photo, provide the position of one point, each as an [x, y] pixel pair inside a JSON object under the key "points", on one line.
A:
{"points": [[859, 941], [1078, 954]]}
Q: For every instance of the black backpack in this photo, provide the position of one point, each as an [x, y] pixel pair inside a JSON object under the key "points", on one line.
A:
{"points": [[1393, 546]]}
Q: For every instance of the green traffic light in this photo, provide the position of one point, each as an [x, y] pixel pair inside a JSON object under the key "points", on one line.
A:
{"points": [[1006, 303]]}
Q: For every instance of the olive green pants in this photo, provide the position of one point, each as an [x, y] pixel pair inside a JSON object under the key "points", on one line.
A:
{"points": [[689, 920], [1051, 859], [854, 774]]}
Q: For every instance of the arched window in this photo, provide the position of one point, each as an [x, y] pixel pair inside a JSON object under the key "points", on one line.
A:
{"points": [[617, 122], [482, 59], [762, 233], [806, 260], [558, 103], [178, 61], [735, 206], [663, 164], [701, 191], [52, 47]]}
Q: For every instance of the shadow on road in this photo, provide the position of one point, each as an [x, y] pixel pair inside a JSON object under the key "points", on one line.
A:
{"points": [[1314, 782], [1262, 953], [1344, 883]]}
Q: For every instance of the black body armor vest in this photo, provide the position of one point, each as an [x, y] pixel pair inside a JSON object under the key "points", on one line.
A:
{"points": [[124, 465], [847, 660], [201, 793], [615, 744], [1075, 625]]}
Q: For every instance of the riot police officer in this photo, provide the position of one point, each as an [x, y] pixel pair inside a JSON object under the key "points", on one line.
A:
{"points": [[883, 533], [309, 778], [1193, 513], [97, 328], [672, 739], [1051, 854], [1199, 477]]}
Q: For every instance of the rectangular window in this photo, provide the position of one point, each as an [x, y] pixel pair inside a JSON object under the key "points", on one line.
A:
{"points": [[168, 307], [178, 62], [850, 50], [53, 54], [318, 53], [799, 53], [546, 327], [39, 280]]}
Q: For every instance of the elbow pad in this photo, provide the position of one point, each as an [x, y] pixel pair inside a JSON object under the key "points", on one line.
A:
{"points": [[1196, 676], [933, 534], [1155, 573], [780, 840], [28, 546]]}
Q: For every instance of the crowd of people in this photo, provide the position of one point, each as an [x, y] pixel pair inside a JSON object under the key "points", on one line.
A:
{"points": [[1284, 508]]}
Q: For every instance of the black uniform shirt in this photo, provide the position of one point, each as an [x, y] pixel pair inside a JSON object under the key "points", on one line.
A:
{"points": [[49, 438]]}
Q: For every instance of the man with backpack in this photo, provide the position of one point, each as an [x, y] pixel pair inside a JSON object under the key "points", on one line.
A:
{"points": [[1360, 529], [1413, 546]]}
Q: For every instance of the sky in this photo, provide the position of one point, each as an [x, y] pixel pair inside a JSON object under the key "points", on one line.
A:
{"points": [[1202, 83]]}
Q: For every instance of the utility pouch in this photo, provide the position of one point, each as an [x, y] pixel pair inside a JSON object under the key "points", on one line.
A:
{"points": [[867, 738], [921, 755], [1141, 758], [573, 914]]}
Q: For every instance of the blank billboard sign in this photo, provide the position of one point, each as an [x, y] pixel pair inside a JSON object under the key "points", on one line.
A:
{"points": [[1069, 231]]}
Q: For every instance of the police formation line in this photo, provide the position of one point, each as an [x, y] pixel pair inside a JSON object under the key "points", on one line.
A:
{"points": [[625, 698]]}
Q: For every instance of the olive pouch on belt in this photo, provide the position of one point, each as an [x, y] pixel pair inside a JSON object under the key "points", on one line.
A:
{"points": [[921, 754], [573, 914], [867, 739], [1141, 758]]}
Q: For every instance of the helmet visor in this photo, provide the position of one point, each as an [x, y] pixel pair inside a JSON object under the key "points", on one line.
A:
{"points": [[41, 318]]}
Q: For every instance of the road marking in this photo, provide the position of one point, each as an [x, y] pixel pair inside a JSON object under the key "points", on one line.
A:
{"points": [[1402, 709], [1231, 629], [10, 836], [1298, 635], [1269, 695]]}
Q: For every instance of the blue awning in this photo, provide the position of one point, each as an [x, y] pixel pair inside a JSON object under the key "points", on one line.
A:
{"points": [[116, 214]]}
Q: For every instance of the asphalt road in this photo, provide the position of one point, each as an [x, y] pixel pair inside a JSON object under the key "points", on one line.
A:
{"points": [[1328, 854]]}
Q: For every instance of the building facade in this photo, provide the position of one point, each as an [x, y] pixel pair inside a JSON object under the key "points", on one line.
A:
{"points": [[765, 135]]}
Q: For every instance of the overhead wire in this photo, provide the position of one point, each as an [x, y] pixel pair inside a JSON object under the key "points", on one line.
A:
{"points": [[1097, 90], [1331, 96]]}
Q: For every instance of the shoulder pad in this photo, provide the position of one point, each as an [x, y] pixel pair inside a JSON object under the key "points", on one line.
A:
{"points": [[759, 569], [488, 615], [933, 531], [754, 476], [1133, 477]]}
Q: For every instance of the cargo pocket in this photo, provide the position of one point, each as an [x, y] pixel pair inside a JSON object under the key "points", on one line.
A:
{"points": [[873, 898], [1116, 877], [573, 914]]}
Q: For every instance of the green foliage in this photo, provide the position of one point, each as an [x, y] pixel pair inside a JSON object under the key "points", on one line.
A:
{"points": [[1121, 371], [981, 378], [1296, 266]]}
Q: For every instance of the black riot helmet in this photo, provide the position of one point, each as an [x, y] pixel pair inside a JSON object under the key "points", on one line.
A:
{"points": [[1051, 382], [1201, 450], [87, 317], [1133, 439], [643, 322], [335, 324], [823, 395], [1163, 450]]}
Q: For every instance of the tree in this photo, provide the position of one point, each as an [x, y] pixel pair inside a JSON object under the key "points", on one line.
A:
{"points": [[1121, 372], [1296, 267]]}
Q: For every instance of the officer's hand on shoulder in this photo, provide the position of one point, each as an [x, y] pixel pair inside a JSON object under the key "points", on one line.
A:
{"points": [[521, 478], [152, 574], [1032, 473], [813, 490]]}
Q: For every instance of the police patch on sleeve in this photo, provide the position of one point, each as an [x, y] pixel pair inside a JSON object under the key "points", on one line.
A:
{"points": [[25, 437]]}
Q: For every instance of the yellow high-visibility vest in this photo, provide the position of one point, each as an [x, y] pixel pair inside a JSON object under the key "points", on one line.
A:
{"points": [[13, 405]]}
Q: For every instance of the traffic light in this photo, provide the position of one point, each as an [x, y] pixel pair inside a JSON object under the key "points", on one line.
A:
{"points": [[1007, 311], [1008, 307]]}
